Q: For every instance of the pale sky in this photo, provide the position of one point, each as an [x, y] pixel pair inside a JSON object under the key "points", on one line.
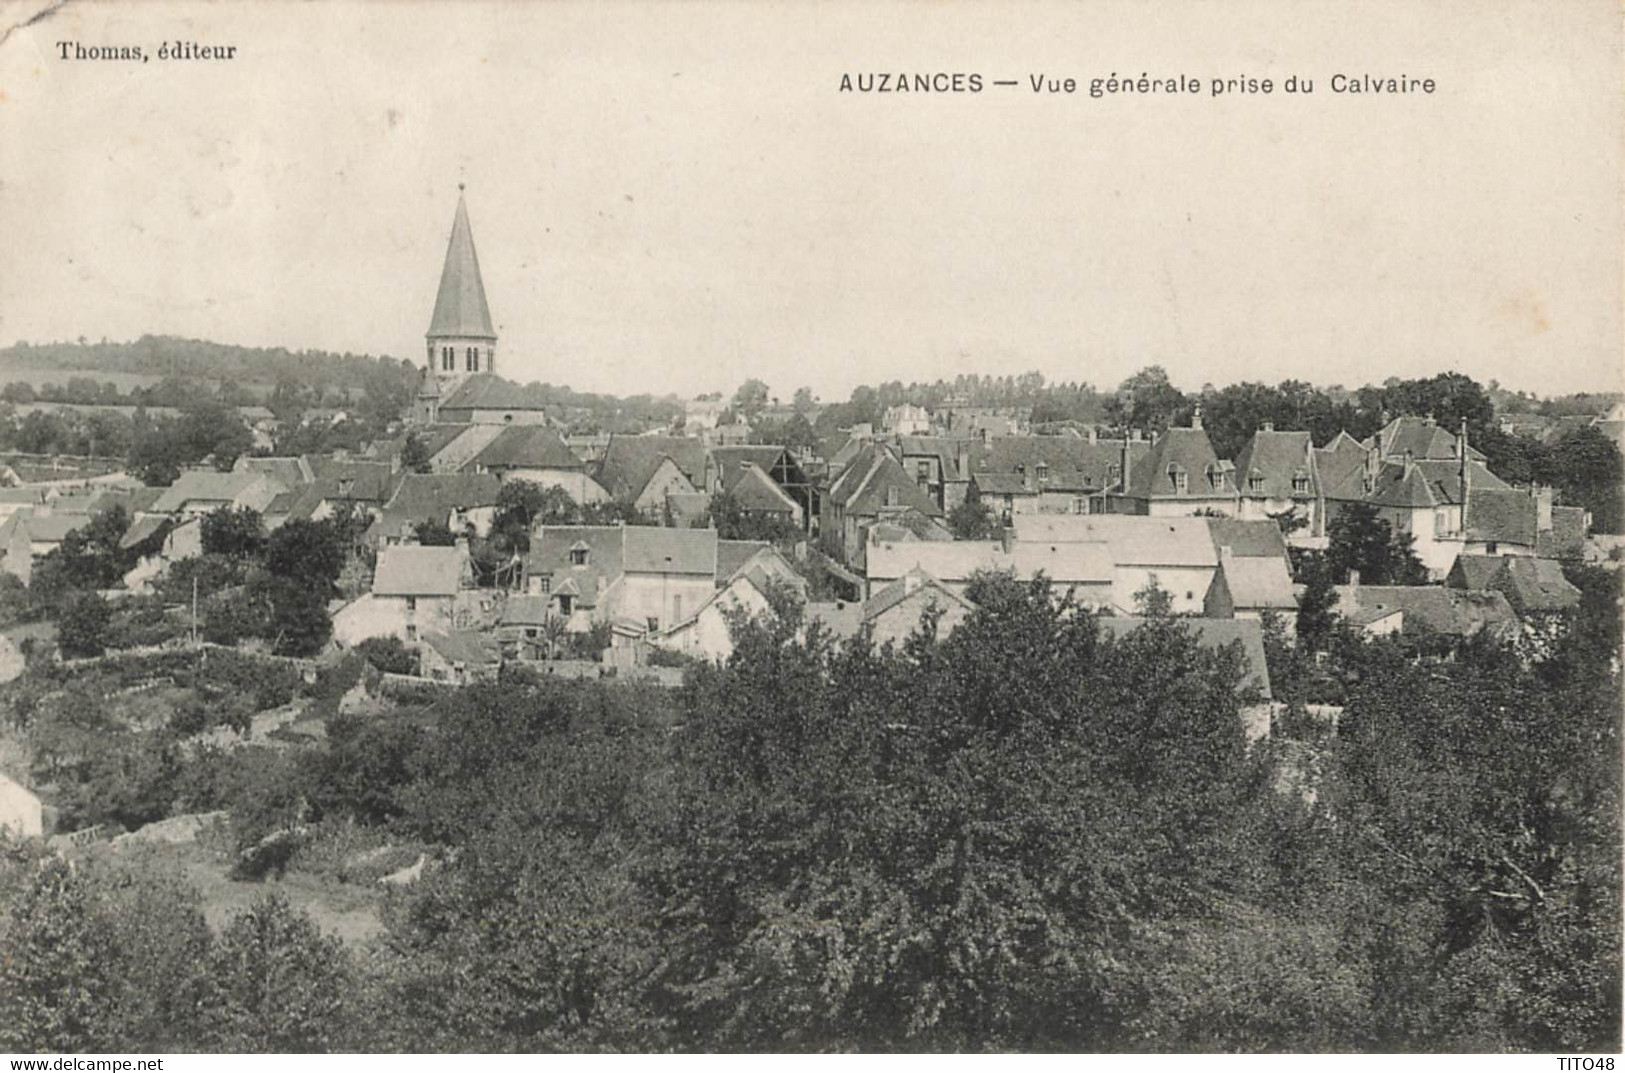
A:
{"points": [[677, 197]]}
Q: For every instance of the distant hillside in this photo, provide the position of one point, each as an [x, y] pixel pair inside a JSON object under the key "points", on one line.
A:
{"points": [[160, 357]]}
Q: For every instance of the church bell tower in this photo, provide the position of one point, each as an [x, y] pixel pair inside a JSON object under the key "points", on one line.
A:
{"points": [[460, 341]]}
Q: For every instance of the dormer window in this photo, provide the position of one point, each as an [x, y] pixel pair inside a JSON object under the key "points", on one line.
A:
{"points": [[578, 556], [1255, 483], [1179, 479], [1300, 484], [1043, 471], [1215, 477]]}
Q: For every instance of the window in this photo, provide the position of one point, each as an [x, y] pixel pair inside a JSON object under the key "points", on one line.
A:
{"points": [[411, 633], [653, 622], [922, 470], [411, 603], [1300, 484], [566, 604], [448, 358], [1492, 548], [677, 609], [578, 556], [1255, 483], [1179, 478], [544, 585], [531, 632], [1043, 472], [473, 357]]}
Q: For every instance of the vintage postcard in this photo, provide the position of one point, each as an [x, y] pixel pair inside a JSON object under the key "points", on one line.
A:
{"points": [[810, 527]]}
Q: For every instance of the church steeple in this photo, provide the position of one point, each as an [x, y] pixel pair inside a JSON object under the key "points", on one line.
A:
{"points": [[461, 340]]}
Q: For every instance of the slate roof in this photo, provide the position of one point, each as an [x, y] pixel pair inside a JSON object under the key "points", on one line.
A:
{"points": [[488, 391], [1072, 463], [1275, 459], [528, 447], [1422, 437], [732, 555], [204, 486], [630, 461], [1507, 516], [651, 549], [371, 481], [1183, 448], [1428, 484], [1248, 538], [1212, 633], [687, 507], [416, 570], [459, 304], [1002, 484]]}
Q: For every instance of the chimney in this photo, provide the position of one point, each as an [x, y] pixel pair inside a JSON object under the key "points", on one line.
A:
{"points": [[1026, 478], [1094, 435], [1429, 421], [1269, 426], [1007, 539], [1543, 509], [964, 461], [911, 581], [1410, 461], [1196, 417], [1127, 457], [1354, 587]]}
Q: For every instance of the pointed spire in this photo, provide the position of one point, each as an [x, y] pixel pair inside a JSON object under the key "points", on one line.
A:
{"points": [[460, 309]]}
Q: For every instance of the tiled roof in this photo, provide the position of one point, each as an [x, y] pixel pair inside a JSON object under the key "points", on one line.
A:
{"points": [[204, 486], [1456, 612], [1257, 581], [52, 528], [459, 304], [1503, 516], [630, 461], [916, 584], [528, 447], [1247, 538], [956, 561], [1135, 540], [755, 490], [523, 610], [658, 550], [416, 570], [290, 472], [1213, 633], [1274, 460], [462, 646]]}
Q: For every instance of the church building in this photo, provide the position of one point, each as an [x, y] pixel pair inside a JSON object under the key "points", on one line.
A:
{"points": [[460, 385]]}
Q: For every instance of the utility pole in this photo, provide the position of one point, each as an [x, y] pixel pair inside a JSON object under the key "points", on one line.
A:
{"points": [[194, 611]]}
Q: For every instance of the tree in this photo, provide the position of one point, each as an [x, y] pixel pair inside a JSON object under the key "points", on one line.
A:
{"points": [[91, 555], [733, 522], [278, 984], [1315, 605], [434, 533], [389, 654], [1146, 400], [155, 458], [57, 980], [309, 553], [415, 457], [750, 399], [973, 520], [1359, 538], [82, 630], [802, 402], [235, 532]]}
